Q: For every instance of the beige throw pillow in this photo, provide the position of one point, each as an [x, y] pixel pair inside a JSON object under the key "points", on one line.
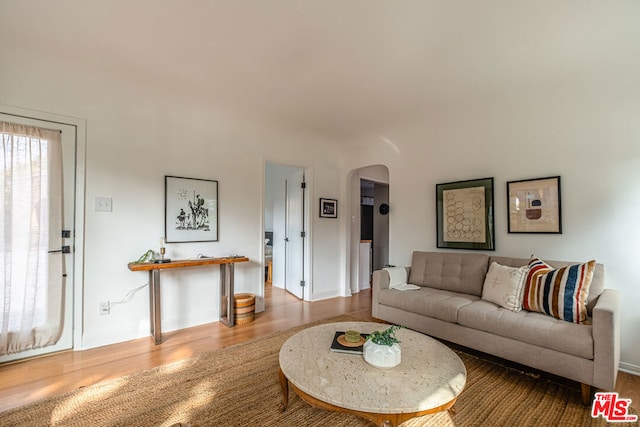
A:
{"points": [[504, 285]]}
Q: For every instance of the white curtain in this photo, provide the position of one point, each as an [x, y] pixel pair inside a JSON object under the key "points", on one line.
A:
{"points": [[32, 291]]}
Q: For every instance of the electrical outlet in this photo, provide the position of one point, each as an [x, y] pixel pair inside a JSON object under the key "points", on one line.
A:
{"points": [[104, 308], [104, 204]]}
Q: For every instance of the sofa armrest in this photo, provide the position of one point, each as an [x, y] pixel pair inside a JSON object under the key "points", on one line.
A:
{"points": [[380, 280], [606, 339]]}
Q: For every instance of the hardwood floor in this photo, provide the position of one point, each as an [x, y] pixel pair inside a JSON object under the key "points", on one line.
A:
{"points": [[31, 380]]}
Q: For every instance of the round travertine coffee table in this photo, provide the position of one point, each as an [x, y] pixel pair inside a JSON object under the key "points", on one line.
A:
{"points": [[429, 378]]}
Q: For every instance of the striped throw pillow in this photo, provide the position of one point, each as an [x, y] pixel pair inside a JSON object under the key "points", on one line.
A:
{"points": [[560, 292]]}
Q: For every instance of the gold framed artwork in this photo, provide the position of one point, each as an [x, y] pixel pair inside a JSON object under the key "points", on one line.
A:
{"points": [[464, 215], [534, 206]]}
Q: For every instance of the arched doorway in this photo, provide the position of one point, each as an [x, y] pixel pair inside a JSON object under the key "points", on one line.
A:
{"points": [[368, 190]]}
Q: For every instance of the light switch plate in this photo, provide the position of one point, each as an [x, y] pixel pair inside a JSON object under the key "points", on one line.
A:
{"points": [[104, 204]]}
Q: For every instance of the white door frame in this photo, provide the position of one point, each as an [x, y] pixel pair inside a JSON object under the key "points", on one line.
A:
{"points": [[78, 252], [294, 225], [308, 256]]}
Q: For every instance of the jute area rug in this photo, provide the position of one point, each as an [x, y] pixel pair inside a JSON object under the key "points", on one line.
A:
{"points": [[238, 386]]}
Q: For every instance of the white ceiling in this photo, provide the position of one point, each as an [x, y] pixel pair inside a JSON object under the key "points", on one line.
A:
{"points": [[333, 67]]}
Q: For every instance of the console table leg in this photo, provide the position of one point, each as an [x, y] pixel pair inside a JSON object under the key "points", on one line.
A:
{"points": [[230, 285], [154, 306], [284, 383], [226, 294]]}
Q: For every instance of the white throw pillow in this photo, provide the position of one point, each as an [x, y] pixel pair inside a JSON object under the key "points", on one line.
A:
{"points": [[504, 286]]}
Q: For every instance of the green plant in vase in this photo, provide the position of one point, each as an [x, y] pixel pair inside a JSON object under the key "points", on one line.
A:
{"points": [[386, 337], [382, 348]]}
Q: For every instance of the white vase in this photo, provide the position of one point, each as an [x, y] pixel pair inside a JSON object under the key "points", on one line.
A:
{"points": [[381, 356]]}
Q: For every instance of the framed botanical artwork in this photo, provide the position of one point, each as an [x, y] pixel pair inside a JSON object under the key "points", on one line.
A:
{"points": [[464, 215], [190, 210], [328, 208], [534, 206]]}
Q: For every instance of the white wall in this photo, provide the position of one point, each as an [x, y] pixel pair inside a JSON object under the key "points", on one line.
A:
{"points": [[135, 136], [541, 105], [586, 132]]}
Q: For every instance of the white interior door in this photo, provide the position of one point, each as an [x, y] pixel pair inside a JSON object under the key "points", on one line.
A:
{"points": [[295, 233], [69, 166]]}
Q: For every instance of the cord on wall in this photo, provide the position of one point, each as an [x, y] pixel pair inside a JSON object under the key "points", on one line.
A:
{"points": [[105, 307]]}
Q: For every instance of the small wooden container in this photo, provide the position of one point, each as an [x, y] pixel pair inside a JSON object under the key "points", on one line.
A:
{"points": [[244, 307]]}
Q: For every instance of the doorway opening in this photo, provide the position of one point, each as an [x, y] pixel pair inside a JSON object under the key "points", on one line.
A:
{"points": [[54, 292], [374, 230], [369, 228], [286, 219]]}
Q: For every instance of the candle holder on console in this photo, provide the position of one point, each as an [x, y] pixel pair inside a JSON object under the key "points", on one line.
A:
{"points": [[162, 259]]}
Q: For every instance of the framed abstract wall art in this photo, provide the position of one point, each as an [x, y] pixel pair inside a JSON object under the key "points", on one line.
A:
{"points": [[191, 210], [464, 214], [534, 206]]}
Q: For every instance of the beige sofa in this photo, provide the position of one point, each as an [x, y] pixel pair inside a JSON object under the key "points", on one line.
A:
{"points": [[449, 306]]}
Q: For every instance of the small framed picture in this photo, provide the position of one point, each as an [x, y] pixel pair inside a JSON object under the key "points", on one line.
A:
{"points": [[191, 210], [464, 215], [534, 206], [328, 208]]}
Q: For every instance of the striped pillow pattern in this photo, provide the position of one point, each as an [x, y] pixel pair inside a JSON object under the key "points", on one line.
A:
{"points": [[561, 293]]}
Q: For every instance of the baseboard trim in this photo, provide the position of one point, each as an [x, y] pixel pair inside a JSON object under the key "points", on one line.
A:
{"points": [[629, 368]]}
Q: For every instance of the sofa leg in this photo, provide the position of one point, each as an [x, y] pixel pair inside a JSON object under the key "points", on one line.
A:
{"points": [[586, 394]]}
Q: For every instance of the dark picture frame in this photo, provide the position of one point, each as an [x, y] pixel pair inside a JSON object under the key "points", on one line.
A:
{"points": [[534, 206], [190, 209], [328, 208], [465, 215]]}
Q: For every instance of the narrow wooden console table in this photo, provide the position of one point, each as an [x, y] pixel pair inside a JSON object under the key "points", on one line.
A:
{"points": [[226, 287]]}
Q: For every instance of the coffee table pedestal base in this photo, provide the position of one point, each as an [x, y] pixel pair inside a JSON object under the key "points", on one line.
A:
{"points": [[383, 420]]}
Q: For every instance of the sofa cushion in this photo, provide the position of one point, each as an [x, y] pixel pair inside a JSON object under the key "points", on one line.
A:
{"points": [[560, 293], [597, 283], [503, 286], [456, 272], [437, 303], [530, 327]]}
